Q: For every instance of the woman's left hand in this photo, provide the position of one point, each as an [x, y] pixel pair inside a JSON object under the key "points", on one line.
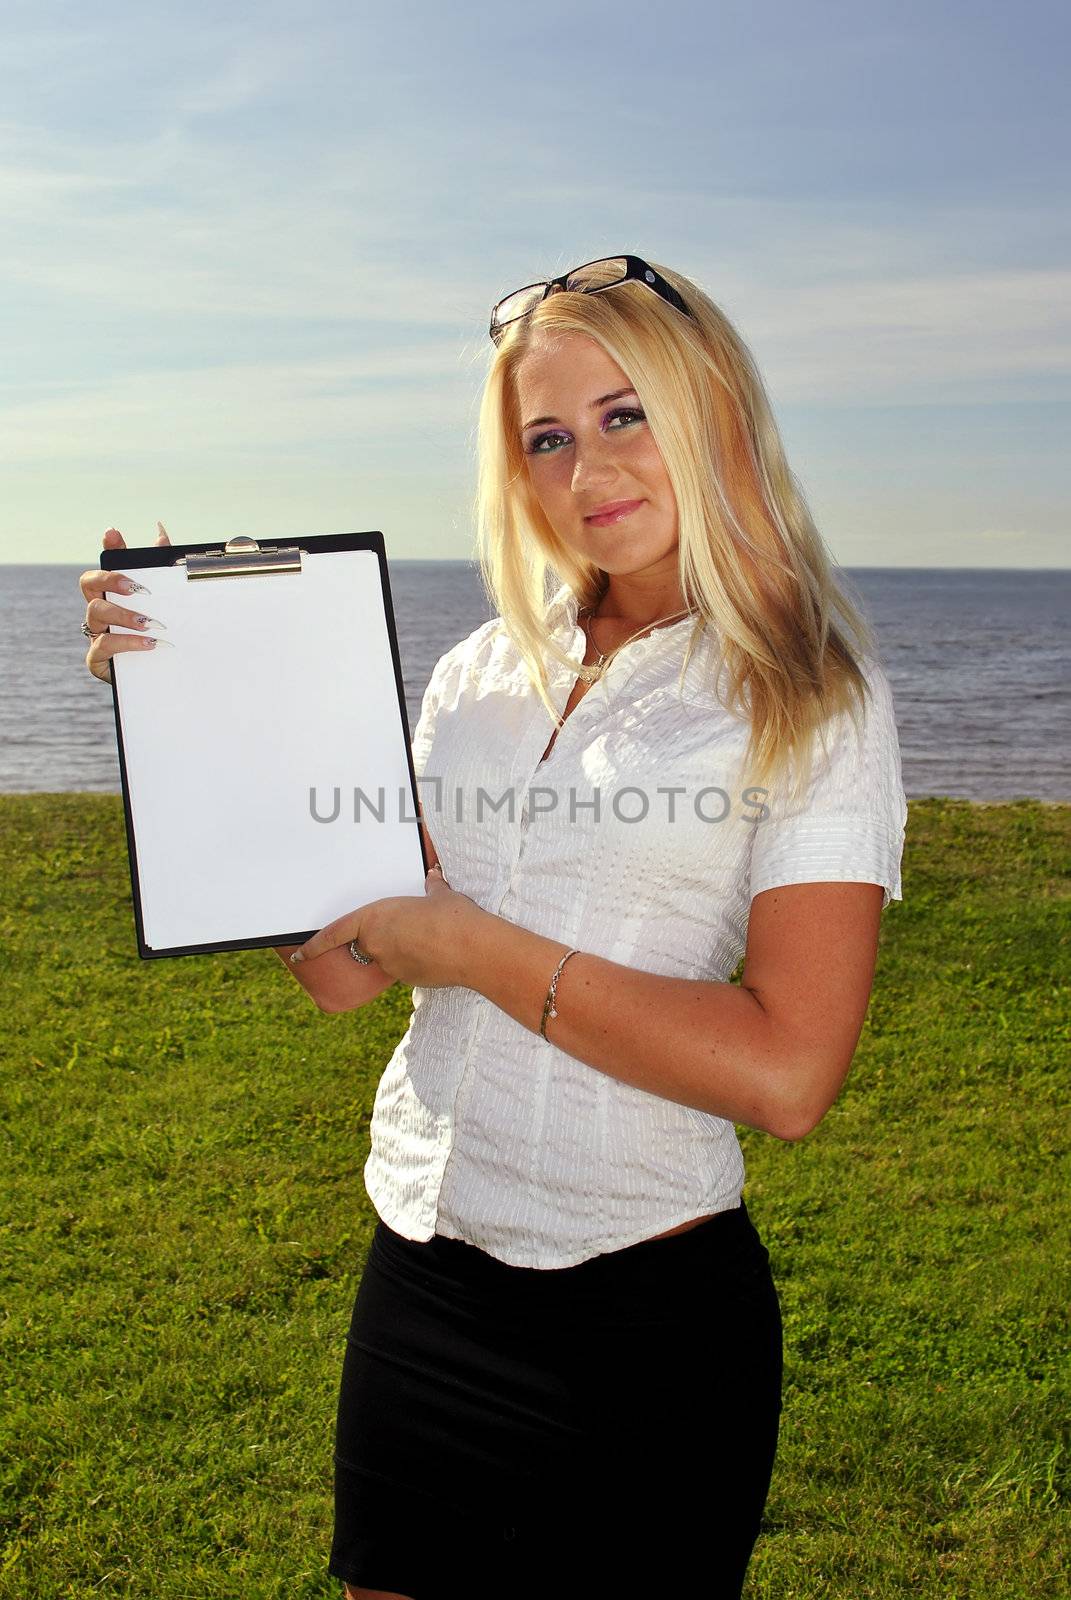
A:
{"points": [[414, 939]]}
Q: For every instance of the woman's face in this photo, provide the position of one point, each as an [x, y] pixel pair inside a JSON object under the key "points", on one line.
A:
{"points": [[588, 446]]}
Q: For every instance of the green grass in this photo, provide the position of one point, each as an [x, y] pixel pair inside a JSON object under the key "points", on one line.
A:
{"points": [[185, 1223]]}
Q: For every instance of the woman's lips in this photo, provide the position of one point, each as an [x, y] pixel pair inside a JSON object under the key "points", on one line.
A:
{"points": [[625, 508]]}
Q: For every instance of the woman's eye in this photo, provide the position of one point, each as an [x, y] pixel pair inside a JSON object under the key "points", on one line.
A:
{"points": [[535, 447], [546, 444], [632, 412]]}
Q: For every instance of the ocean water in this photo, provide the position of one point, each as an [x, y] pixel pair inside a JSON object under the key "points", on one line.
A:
{"points": [[978, 662]]}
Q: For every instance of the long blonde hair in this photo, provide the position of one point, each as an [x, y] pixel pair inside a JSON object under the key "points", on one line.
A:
{"points": [[751, 561]]}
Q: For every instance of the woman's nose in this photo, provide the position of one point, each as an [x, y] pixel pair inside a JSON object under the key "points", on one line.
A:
{"points": [[591, 466]]}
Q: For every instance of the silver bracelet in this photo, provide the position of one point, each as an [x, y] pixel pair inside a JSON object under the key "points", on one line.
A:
{"points": [[549, 1008]]}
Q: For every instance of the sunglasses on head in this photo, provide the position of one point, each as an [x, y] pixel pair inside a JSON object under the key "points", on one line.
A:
{"points": [[593, 276]]}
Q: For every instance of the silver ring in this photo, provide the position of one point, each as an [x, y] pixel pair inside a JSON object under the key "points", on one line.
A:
{"points": [[359, 955], [87, 630]]}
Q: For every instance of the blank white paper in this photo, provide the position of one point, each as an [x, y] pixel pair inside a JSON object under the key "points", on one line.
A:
{"points": [[246, 740]]}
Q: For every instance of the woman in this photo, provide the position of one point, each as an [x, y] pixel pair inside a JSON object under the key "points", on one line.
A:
{"points": [[563, 1374]]}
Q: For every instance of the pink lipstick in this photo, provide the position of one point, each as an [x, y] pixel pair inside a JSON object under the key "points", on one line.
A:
{"points": [[612, 512]]}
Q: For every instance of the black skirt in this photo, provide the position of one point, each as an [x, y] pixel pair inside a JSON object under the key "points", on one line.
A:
{"points": [[516, 1431]]}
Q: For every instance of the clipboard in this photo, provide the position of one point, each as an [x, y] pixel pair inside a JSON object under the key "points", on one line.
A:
{"points": [[265, 752]]}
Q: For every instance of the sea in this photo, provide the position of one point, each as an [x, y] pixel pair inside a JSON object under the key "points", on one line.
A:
{"points": [[977, 658]]}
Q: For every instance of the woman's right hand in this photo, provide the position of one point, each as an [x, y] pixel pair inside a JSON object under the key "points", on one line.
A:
{"points": [[100, 612]]}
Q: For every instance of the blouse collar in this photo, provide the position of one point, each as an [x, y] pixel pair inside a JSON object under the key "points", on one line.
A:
{"points": [[561, 617]]}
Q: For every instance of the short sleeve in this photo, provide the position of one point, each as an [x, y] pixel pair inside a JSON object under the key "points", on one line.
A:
{"points": [[850, 827]]}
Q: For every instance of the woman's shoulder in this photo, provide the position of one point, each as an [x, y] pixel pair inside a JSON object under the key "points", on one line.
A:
{"points": [[878, 705], [490, 645], [475, 644], [488, 658], [469, 655]]}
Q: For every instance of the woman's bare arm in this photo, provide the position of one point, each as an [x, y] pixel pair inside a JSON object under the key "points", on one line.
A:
{"points": [[771, 1051]]}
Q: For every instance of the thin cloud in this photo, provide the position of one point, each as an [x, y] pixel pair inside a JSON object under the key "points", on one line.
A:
{"points": [[229, 236], [391, 400]]}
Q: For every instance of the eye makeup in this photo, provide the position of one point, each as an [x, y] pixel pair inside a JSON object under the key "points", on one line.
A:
{"points": [[533, 446]]}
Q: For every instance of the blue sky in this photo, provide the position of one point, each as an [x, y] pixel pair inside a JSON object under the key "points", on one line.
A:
{"points": [[248, 259]]}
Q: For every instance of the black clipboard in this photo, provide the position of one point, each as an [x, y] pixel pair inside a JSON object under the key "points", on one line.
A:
{"points": [[182, 853]]}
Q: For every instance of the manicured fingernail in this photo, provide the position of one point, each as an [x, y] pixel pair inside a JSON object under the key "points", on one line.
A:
{"points": [[151, 643], [128, 586], [149, 622], [161, 529], [297, 956]]}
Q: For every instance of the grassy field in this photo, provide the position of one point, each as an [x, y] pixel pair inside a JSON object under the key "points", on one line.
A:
{"points": [[184, 1226]]}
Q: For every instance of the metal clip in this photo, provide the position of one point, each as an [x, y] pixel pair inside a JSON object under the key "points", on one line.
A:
{"points": [[239, 556]]}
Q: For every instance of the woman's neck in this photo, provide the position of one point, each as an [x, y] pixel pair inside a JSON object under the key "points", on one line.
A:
{"points": [[630, 610]]}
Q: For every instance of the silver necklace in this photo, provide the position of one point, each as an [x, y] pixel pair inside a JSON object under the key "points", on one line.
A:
{"points": [[592, 673]]}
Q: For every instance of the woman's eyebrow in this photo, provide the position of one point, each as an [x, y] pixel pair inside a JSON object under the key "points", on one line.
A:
{"points": [[601, 401]]}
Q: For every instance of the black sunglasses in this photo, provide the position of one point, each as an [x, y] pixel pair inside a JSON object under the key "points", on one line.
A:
{"points": [[593, 276]]}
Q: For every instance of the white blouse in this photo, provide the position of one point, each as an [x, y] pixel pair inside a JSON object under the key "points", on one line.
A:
{"points": [[638, 840]]}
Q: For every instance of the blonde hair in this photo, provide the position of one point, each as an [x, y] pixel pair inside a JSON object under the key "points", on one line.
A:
{"points": [[751, 561]]}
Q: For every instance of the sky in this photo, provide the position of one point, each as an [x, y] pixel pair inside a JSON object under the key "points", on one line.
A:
{"points": [[249, 254]]}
